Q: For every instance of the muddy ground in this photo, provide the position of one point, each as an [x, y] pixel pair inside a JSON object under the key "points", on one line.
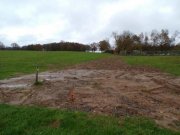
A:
{"points": [[106, 86]]}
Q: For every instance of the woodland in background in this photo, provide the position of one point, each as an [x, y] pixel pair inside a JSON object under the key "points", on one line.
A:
{"points": [[124, 43], [61, 46], [128, 42]]}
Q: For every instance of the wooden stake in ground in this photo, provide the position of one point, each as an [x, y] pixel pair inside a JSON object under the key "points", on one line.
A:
{"points": [[37, 73]]}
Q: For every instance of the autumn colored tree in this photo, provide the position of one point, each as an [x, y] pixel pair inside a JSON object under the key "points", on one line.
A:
{"points": [[104, 45], [165, 40], [123, 41]]}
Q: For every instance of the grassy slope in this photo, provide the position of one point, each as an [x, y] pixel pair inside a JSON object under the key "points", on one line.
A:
{"points": [[40, 121], [170, 64], [21, 62]]}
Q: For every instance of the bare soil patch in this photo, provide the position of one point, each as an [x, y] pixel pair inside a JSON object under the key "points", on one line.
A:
{"points": [[106, 86]]}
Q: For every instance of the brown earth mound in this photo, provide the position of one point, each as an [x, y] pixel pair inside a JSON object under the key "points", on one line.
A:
{"points": [[106, 86]]}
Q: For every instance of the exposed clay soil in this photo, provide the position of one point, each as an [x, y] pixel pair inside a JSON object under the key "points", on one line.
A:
{"points": [[106, 86]]}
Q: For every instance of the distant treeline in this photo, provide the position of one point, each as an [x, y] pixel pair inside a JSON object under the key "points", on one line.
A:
{"points": [[61, 46], [124, 43]]}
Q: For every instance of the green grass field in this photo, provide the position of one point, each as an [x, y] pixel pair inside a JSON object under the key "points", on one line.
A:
{"points": [[170, 64], [13, 63], [41, 121]]}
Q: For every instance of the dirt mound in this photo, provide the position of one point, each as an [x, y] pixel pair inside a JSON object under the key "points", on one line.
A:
{"points": [[105, 86]]}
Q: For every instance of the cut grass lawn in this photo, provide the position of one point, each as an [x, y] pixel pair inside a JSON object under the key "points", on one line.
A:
{"points": [[14, 63], [170, 64], [16, 120]]}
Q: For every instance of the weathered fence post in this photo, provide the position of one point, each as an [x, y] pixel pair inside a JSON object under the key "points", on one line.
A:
{"points": [[37, 73]]}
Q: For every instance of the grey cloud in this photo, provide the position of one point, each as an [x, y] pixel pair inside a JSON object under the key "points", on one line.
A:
{"points": [[26, 39], [81, 20], [4, 39]]}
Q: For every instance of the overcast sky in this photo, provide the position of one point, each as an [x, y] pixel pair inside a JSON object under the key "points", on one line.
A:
{"points": [[85, 21]]}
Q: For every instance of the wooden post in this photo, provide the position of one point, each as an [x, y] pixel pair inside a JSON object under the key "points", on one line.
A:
{"points": [[37, 72]]}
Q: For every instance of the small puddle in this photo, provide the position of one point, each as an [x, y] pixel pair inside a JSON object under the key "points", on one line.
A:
{"points": [[13, 86]]}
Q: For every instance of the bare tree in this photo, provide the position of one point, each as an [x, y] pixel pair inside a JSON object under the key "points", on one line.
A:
{"points": [[94, 46], [2, 46], [146, 40], [155, 37], [15, 46]]}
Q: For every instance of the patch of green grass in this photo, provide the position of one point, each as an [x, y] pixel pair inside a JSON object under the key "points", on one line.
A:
{"points": [[170, 64], [16, 120], [13, 63]]}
